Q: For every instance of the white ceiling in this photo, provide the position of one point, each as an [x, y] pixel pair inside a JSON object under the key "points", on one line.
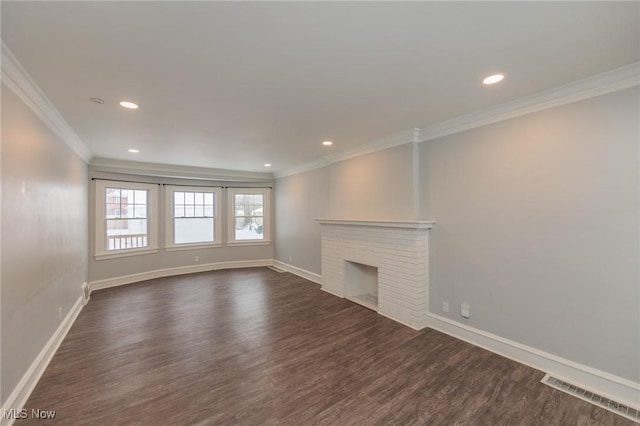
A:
{"points": [[236, 84]]}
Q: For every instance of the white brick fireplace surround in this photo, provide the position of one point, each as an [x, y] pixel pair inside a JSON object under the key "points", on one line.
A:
{"points": [[355, 251]]}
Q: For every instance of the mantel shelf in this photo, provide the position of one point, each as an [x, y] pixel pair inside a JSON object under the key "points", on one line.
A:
{"points": [[403, 224]]}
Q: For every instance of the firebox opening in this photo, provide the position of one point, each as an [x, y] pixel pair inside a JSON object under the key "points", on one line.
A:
{"points": [[361, 284]]}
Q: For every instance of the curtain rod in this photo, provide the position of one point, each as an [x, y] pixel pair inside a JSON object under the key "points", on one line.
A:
{"points": [[250, 187], [183, 184], [216, 186], [194, 186], [126, 181]]}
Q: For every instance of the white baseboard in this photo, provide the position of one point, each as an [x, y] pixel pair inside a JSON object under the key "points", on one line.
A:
{"points": [[180, 270], [402, 322], [25, 386], [332, 293], [303, 273], [597, 381]]}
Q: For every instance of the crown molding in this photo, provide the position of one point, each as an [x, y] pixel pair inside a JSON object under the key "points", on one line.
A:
{"points": [[108, 165], [611, 81], [601, 84], [407, 136], [305, 167], [16, 78]]}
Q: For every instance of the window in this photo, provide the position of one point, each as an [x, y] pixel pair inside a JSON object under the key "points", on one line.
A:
{"points": [[249, 216], [125, 219], [193, 217]]}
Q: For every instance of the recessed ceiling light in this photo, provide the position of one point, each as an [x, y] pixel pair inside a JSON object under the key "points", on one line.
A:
{"points": [[133, 150], [493, 79], [129, 105], [327, 143], [267, 164]]}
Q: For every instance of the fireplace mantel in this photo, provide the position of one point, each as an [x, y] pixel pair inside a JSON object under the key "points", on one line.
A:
{"points": [[399, 253], [404, 224]]}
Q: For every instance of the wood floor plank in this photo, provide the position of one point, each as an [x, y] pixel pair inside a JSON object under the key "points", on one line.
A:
{"points": [[257, 347]]}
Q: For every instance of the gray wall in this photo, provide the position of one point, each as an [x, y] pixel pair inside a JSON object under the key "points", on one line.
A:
{"points": [[299, 199], [112, 268], [44, 236], [373, 186], [537, 225]]}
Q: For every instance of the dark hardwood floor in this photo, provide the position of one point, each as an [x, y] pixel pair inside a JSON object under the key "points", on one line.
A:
{"points": [[254, 347]]}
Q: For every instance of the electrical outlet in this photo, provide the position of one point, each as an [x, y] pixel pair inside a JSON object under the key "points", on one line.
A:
{"points": [[197, 258], [465, 310], [290, 259], [60, 312], [445, 307]]}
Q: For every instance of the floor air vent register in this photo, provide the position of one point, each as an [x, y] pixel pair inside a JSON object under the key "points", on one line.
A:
{"points": [[86, 293], [593, 398]]}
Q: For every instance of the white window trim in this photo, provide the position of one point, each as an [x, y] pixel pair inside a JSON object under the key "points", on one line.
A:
{"points": [[182, 247], [125, 253], [170, 244], [100, 217], [231, 216]]}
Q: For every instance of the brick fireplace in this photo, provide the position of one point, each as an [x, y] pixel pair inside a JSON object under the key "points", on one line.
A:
{"points": [[382, 265]]}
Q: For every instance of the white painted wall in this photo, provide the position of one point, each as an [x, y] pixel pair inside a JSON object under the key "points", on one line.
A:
{"points": [[537, 227], [44, 236]]}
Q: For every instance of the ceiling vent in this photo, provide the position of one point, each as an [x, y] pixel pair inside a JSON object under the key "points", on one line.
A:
{"points": [[593, 398]]}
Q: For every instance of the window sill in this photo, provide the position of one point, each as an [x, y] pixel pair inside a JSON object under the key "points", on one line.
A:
{"points": [[192, 247], [249, 243], [124, 253]]}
